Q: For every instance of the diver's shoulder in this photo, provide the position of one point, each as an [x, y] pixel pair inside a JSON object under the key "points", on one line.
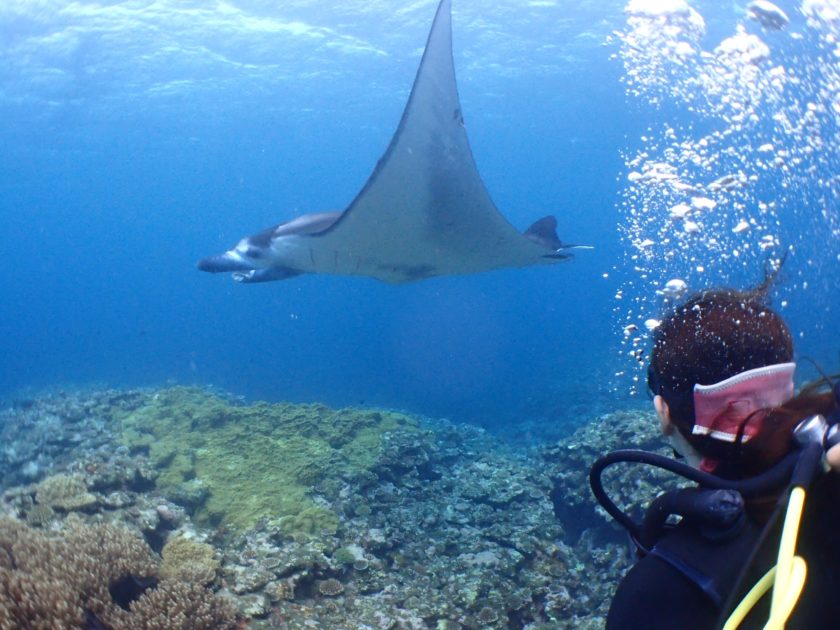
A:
{"points": [[655, 596]]}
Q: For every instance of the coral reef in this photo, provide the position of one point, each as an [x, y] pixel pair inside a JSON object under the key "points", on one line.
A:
{"points": [[67, 492], [182, 605], [330, 587], [95, 572], [468, 538], [48, 431], [568, 461], [259, 461], [303, 516], [190, 560]]}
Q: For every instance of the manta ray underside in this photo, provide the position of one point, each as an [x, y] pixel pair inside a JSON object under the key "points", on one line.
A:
{"points": [[424, 211]]}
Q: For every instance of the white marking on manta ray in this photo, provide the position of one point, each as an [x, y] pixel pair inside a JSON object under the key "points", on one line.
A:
{"points": [[423, 212]]}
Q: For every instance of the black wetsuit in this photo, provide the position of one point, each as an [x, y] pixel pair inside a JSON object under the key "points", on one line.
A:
{"points": [[687, 579]]}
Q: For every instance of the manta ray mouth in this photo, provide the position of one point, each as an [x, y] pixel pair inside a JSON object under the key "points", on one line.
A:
{"points": [[223, 262]]}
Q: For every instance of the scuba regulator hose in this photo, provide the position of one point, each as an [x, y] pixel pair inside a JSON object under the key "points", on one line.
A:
{"points": [[773, 478], [787, 577], [796, 471]]}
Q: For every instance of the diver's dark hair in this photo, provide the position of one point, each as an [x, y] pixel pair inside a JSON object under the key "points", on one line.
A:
{"points": [[713, 336]]}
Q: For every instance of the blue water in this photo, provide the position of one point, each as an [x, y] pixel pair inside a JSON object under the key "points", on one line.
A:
{"points": [[138, 140]]}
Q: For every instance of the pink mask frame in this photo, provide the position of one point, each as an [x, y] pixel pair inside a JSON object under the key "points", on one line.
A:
{"points": [[721, 409]]}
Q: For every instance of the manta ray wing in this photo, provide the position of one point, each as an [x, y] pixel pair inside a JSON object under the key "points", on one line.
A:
{"points": [[425, 211]]}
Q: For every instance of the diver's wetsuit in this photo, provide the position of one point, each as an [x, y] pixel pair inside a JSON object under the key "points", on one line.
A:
{"points": [[655, 594]]}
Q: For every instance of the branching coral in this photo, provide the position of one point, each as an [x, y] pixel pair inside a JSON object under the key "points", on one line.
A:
{"points": [[181, 605], [35, 590], [94, 572]]}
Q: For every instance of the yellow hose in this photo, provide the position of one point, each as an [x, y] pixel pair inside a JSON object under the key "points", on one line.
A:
{"points": [[750, 600], [790, 576], [787, 577], [789, 597]]}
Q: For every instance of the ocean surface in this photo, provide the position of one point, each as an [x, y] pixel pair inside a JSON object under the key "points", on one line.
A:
{"points": [[682, 141]]}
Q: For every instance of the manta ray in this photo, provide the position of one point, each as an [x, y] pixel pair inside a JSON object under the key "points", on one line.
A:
{"points": [[424, 212]]}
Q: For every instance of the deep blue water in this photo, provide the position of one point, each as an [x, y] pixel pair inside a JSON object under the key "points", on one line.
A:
{"points": [[125, 159]]}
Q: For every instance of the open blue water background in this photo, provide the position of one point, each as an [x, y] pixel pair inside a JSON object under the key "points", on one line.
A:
{"points": [[139, 137]]}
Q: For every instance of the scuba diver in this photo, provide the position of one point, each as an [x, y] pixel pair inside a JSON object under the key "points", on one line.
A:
{"points": [[721, 375]]}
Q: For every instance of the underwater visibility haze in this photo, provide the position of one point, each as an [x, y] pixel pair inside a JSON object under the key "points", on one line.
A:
{"points": [[690, 144], [139, 135], [140, 138]]}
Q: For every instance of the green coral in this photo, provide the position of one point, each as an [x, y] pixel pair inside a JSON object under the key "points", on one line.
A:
{"points": [[259, 461], [343, 555], [310, 521], [66, 492], [189, 560]]}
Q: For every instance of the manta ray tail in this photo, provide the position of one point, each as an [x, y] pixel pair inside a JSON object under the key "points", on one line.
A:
{"points": [[544, 232]]}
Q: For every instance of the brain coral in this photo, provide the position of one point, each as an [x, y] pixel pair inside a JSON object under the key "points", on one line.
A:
{"points": [[257, 461]]}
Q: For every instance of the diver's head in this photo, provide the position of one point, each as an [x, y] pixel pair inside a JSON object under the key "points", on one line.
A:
{"points": [[713, 336]]}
